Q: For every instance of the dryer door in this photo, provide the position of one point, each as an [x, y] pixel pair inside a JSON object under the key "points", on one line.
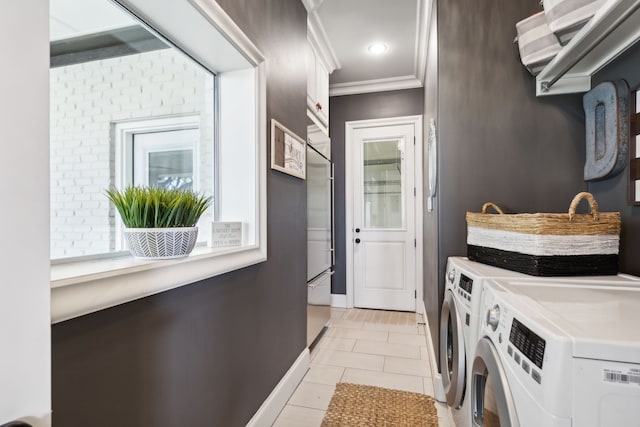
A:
{"points": [[452, 352], [491, 400]]}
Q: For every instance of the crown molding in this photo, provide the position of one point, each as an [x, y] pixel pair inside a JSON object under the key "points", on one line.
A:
{"points": [[377, 85], [320, 41], [425, 8]]}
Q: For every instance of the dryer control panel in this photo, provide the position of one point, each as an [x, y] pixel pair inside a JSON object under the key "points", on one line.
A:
{"points": [[528, 342]]}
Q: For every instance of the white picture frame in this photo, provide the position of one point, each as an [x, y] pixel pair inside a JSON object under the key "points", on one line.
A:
{"points": [[288, 151]]}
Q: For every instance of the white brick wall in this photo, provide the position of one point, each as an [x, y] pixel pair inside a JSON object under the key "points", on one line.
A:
{"points": [[87, 100]]}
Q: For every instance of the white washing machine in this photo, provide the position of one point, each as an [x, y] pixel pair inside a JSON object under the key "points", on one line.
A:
{"points": [[557, 353], [459, 329]]}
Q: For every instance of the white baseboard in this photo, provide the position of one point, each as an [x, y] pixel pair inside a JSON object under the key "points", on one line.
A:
{"points": [[338, 300], [270, 408], [436, 376]]}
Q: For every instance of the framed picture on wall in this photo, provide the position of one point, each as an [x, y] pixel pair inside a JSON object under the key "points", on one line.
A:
{"points": [[288, 151]]}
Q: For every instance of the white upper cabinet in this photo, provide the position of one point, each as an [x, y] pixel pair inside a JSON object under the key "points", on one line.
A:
{"points": [[317, 87], [321, 62], [319, 139], [611, 31]]}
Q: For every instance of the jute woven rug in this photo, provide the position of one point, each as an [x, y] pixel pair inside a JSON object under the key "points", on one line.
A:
{"points": [[354, 405]]}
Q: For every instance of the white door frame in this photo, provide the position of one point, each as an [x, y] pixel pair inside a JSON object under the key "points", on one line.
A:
{"points": [[349, 141]]}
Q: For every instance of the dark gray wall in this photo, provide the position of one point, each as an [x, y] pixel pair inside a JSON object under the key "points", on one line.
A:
{"points": [[497, 141], [359, 107], [206, 354], [612, 193]]}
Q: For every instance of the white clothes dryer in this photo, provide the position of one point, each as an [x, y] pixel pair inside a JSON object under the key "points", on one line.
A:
{"points": [[620, 279], [557, 353], [459, 329]]}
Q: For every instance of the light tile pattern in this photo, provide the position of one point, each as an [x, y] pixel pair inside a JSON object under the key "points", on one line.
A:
{"points": [[372, 347]]}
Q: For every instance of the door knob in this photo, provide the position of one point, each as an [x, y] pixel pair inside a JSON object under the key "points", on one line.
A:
{"points": [[357, 230], [357, 240]]}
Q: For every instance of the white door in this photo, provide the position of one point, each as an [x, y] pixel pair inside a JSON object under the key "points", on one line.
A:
{"points": [[384, 251]]}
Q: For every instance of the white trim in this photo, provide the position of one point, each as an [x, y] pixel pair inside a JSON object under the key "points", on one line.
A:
{"points": [[348, 212], [277, 400], [378, 85], [419, 205], [212, 38], [338, 300], [350, 127], [85, 287], [423, 14], [436, 377], [261, 158], [216, 15]]}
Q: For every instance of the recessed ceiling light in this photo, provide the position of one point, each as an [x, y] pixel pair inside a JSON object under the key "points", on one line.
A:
{"points": [[377, 48]]}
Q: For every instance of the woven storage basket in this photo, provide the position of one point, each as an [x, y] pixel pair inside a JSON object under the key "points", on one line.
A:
{"points": [[546, 244]]}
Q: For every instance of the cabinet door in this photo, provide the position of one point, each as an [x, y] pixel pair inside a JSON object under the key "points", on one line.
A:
{"points": [[322, 92], [311, 78], [317, 87]]}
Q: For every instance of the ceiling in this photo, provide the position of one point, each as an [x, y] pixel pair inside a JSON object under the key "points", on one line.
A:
{"points": [[343, 29], [340, 29], [73, 18]]}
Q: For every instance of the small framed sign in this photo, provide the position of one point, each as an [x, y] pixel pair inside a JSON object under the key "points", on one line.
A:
{"points": [[226, 234], [288, 151]]}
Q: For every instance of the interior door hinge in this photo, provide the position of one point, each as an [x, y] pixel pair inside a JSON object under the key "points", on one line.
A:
{"points": [[414, 191], [414, 140], [415, 294], [415, 243]]}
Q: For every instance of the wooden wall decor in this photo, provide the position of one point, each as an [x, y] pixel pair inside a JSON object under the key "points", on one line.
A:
{"points": [[288, 151], [633, 197]]}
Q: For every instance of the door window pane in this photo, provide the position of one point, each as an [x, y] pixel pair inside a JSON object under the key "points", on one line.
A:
{"points": [[171, 169], [383, 184]]}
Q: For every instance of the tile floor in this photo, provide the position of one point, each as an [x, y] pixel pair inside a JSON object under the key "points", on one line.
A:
{"points": [[373, 347]]}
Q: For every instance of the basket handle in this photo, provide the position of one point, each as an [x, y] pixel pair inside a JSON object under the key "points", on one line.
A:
{"points": [[593, 205], [491, 205]]}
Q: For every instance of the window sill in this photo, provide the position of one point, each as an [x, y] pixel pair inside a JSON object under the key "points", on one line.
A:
{"points": [[84, 287]]}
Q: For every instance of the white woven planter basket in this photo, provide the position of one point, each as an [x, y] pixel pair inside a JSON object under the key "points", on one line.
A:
{"points": [[161, 243]]}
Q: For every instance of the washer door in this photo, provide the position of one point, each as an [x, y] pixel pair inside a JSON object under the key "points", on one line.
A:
{"points": [[452, 352], [491, 400]]}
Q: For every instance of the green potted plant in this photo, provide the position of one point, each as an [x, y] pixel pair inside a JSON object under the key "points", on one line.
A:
{"points": [[159, 223]]}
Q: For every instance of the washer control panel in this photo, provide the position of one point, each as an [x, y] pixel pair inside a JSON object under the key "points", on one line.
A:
{"points": [[465, 287]]}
